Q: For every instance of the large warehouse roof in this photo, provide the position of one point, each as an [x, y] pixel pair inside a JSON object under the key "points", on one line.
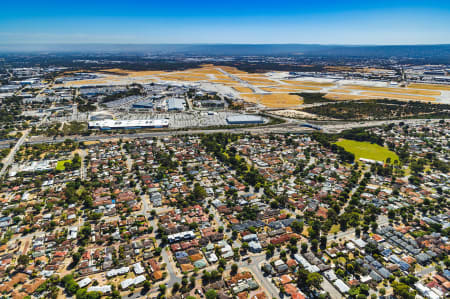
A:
{"points": [[244, 118], [175, 104], [97, 116], [143, 104], [135, 123]]}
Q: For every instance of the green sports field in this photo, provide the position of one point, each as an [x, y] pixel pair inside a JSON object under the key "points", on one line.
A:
{"points": [[60, 164], [367, 150]]}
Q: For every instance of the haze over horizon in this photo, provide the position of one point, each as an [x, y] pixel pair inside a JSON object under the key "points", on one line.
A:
{"points": [[236, 22]]}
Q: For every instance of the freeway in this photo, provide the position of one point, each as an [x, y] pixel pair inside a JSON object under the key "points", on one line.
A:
{"points": [[10, 158], [292, 126], [167, 133]]}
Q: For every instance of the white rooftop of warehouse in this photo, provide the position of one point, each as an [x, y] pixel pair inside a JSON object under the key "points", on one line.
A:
{"points": [[175, 103], [244, 117], [112, 123]]}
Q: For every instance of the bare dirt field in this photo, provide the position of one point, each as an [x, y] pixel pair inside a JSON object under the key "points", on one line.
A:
{"points": [[339, 68], [133, 73], [429, 86], [308, 83], [397, 96], [258, 80], [344, 97], [243, 89], [86, 82], [232, 70], [396, 90], [226, 82], [183, 77], [290, 89], [279, 100], [339, 90]]}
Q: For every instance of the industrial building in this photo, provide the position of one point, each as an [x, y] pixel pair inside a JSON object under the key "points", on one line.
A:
{"points": [[143, 105], [175, 104], [244, 119], [9, 88], [34, 166], [110, 124], [101, 116]]}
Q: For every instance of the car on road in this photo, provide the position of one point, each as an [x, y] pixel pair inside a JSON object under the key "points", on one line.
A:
{"points": [[199, 292]]}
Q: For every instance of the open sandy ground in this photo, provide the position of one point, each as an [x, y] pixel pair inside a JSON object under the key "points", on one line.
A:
{"points": [[279, 100]]}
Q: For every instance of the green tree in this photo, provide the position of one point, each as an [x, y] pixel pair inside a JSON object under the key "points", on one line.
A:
{"points": [[94, 295], [23, 260], [176, 287], [162, 288], [234, 268], [314, 244], [314, 280], [199, 192], [304, 247], [403, 290], [211, 294], [297, 226], [81, 294], [147, 285]]}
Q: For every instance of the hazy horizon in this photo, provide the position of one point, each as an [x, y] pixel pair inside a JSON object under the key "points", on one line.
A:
{"points": [[226, 44]]}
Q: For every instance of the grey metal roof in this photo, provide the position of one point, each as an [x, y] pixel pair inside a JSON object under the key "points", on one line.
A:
{"points": [[244, 118], [175, 104]]}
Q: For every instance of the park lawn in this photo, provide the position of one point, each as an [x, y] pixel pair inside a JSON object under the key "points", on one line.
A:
{"points": [[60, 164], [335, 228], [367, 150], [80, 190]]}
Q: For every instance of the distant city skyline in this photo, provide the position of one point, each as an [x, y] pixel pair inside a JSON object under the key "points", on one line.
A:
{"points": [[238, 22]]}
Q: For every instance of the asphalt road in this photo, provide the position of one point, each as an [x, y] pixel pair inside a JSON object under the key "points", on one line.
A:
{"points": [[426, 271], [328, 287], [172, 274], [10, 158], [264, 281]]}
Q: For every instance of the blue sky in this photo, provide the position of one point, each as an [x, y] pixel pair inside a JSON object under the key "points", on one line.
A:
{"points": [[277, 21]]}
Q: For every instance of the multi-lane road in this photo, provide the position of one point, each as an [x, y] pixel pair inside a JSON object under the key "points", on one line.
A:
{"points": [[293, 126], [10, 157]]}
